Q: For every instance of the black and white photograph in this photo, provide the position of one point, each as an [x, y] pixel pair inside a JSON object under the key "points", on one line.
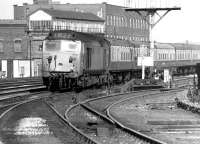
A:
{"points": [[99, 72]]}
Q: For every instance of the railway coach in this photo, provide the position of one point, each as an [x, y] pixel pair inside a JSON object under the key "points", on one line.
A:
{"points": [[179, 58]]}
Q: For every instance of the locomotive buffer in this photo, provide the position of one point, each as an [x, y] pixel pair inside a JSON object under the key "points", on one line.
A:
{"points": [[148, 14]]}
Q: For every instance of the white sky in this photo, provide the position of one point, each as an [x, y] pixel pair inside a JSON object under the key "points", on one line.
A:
{"points": [[177, 26]]}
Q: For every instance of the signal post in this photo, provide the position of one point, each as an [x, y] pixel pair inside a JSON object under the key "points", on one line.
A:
{"points": [[148, 14]]}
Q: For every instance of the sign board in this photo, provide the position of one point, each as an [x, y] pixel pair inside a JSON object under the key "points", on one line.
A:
{"points": [[166, 75], [145, 61]]}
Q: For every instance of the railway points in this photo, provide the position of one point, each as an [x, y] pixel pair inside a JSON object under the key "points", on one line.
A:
{"points": [[157, 117], [62, 101], [78, 50], [28, 125]]}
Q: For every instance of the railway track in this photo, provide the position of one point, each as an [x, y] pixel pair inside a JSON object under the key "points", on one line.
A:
{"points": [[19, 82], [94, 113], [99, 109], [184, 82], [15, 91], [131, 130], [158, 117], [45, 126], [100, 114], [45, 112]]}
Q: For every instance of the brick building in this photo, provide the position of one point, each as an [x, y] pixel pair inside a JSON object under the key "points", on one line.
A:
{"points": [[126, 31], [16, 50], [119, 24]]}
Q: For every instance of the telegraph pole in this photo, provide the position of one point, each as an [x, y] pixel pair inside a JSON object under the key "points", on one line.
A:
{"points": [[30, 45]]}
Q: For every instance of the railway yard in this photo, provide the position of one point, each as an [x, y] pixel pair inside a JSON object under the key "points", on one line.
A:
{"points": [[95, 73], [31, 114]]}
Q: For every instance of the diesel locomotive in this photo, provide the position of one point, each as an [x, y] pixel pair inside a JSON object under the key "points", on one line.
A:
{"points": [[75, 60]]}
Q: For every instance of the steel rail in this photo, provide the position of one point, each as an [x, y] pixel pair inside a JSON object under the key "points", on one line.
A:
{"points": [[83, 104], [114, 121], [17, 105], [132, 131], [83, 137]]}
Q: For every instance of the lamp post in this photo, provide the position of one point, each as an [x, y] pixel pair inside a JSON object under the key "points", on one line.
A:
{"points": [[30, 40]]}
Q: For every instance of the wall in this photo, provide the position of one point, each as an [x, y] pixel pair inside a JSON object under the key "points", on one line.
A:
{"points": [[9, 33]]}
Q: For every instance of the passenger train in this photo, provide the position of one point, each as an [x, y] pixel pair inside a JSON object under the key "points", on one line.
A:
{"points": [[78, 60], [181, 58]]}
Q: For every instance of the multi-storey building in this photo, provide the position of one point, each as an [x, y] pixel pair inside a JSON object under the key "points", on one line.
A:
{"points": [[127, 31], [119, 24]]}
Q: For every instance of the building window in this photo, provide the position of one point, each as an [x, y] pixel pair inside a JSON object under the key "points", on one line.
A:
{"points": [[122, 21], [40, 25], [111, 23], [1, 46], [18, 45], [107, 20], [133, 23], [125, 22], [118, 21], [139, 25], [136, 23], [114, 20]]}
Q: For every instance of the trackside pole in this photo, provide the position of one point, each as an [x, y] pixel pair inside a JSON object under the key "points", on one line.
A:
{"points": [[143, 70]]}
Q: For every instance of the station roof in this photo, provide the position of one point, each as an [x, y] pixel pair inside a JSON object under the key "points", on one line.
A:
{"points": [[164, 46], [73, 15], [186, 46], [177, 46]]}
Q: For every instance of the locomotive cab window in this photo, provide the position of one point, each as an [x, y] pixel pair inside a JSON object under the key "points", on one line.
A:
{"points": [[18, 45], [52, 46]]}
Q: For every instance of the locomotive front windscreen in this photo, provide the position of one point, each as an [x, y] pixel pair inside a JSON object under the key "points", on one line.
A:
{"points": [[52, 46], [63, 46], [62, 55]]}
